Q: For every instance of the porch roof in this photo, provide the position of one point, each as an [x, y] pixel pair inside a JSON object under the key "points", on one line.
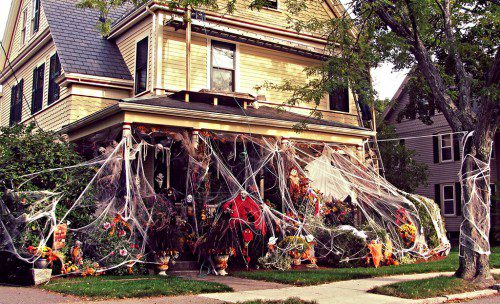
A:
{"points": [[167, 111], [260, 112]]}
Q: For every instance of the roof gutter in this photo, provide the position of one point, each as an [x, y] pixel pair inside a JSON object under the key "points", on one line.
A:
{"points": [[211, 116], [142, 12]]}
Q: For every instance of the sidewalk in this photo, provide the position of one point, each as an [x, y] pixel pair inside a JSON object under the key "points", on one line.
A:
{"points": [[345, 292]]}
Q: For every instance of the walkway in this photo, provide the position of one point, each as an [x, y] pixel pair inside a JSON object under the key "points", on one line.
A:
{"points": [[345, 292]]}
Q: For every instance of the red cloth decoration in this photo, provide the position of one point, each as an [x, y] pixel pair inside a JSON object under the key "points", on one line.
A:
{"points": [[241, 209], [247, 235]]}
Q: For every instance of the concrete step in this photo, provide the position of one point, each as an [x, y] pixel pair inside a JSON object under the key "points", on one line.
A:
{"points": [[185, 266]]}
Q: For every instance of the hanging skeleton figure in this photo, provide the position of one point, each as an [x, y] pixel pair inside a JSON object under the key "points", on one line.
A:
{"points": [[242, 209]]}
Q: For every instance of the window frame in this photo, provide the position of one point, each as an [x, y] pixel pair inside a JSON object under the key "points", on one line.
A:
{"points": [[35, 20], [212, 67], [53, 74], [16, 100], [269, 7], [24, 26], [143, 68], [443, 200], [452, 152], [36, 90], [345, 90]]}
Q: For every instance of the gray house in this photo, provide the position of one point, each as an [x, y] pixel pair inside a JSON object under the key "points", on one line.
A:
{"points": [[441, 151]]}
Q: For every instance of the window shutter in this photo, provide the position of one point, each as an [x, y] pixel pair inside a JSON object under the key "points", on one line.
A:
{"points": [[435, 145], [13, 106], [437, 194], [33, 90], [458, 198], [456, 147]]}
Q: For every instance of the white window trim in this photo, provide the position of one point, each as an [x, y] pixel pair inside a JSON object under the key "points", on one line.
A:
{"points": [[33, 3], [440, 138], [24, 29], [454, 200], [277, 9], [236, 63], [137, 39]]}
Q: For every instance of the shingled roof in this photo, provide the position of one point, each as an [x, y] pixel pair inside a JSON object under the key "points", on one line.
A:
{"points": [[262, 112], [80, 46]]}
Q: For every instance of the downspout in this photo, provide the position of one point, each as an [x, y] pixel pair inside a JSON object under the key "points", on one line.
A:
{"points": [[153, 53], [188, 52]]}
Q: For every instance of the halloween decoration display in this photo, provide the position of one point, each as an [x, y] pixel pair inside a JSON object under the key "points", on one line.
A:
{"points": [[238, 199]]}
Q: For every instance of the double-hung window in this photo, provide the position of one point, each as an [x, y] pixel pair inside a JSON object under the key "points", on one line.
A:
{"points": [[339, 99], [223, 66], [141, 66], [54, 72], [16, 103], [448, 199], [273, 4], [446, 147], [24, 21], [37, 89], [36, 16]]}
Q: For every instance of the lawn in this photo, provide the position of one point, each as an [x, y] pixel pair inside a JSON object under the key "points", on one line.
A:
{"points": [[320, 276], [105, 287], [427, 288]]}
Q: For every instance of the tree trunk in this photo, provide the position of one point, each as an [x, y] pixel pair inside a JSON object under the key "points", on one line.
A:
{"points": [[475, 227]]}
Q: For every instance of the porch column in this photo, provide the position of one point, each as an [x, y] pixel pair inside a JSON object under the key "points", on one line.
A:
{"points": [[261, 181], [195, 139], [127, 132]]}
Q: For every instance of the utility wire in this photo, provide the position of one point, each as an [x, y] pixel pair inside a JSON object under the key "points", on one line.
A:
{"points": [[22, 92]]}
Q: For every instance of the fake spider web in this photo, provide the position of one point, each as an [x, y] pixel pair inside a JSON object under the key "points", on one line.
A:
{"points": [[260, 200]]}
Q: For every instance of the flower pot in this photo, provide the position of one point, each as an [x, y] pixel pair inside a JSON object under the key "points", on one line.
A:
{"points": [[41, 263], [162, 264], [220, 261]]}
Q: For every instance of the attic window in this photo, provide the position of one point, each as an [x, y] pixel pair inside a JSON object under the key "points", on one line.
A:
{"points": [[141, 66], [23, 29], [16, 103], [273, 4], [36, 16]]}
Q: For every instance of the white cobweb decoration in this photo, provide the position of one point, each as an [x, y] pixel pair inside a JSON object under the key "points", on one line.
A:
{"points": [[318, 196]]}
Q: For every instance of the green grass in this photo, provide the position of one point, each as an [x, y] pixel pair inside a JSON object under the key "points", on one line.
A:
{"points": [[320, 276], [427, 288], [287, 301], [105, 287]]}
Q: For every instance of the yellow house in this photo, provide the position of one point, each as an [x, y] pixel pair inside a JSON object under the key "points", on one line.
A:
{"points": [[152, 69]]}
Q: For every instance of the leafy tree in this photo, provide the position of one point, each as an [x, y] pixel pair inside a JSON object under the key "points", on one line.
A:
{"points": [[401, 168], [452, 46], [23, 151]]}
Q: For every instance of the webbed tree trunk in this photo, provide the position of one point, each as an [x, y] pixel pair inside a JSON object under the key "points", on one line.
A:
{"points": [[474, 231]]}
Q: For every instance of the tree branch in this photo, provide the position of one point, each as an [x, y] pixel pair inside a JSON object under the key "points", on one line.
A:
{"points": [[464, 85]]}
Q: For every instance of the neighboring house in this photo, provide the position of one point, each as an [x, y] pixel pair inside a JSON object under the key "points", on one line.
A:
{"points": [[63, 74], [441, 151]]}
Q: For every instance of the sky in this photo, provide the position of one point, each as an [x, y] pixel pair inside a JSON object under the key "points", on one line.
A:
{"points": [[385, 80]]}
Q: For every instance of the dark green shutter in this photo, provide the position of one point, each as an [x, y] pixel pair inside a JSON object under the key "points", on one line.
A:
{"points": [[456, 147], [13, 105], [33, 91], [458, 198], [437, 194], [435, 146]]}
